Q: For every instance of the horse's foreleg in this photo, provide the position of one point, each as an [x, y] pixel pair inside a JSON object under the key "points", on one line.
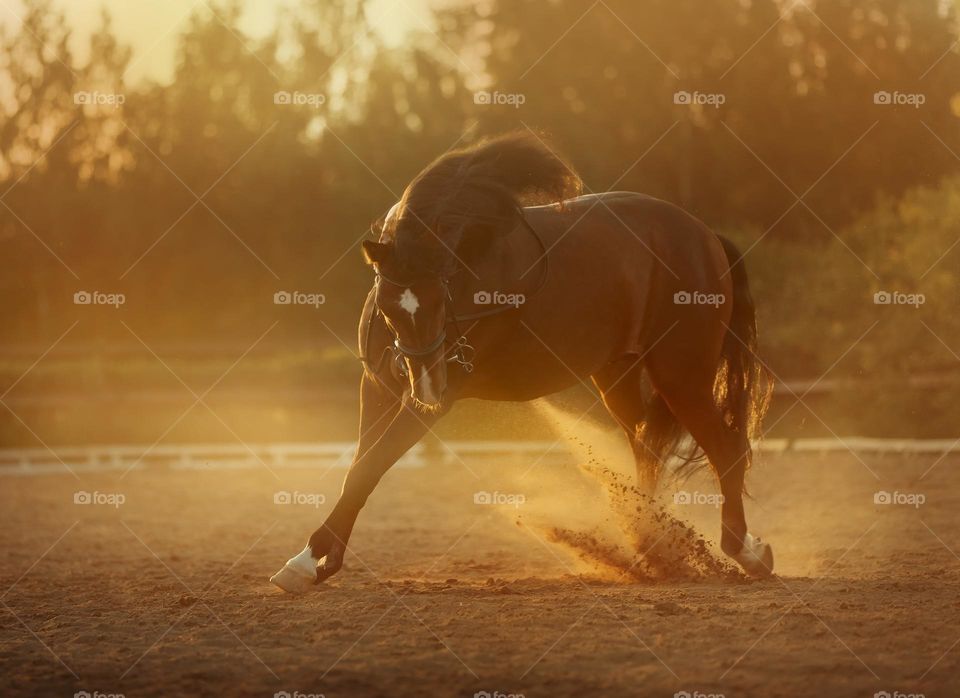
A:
{"points": [[379, 404], [328, 543]]}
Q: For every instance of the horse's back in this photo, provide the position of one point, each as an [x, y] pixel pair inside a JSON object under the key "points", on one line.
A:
{"points": [[626, 254], [633, 227]]}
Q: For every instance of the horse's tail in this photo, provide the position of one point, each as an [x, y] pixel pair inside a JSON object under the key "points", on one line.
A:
{"points": [[741, 387]]}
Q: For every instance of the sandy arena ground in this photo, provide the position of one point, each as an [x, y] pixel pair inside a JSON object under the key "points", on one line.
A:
{"points": [[167, 594]]}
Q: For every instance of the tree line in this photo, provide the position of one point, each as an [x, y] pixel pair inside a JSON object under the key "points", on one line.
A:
{"points": [[819, 137]]}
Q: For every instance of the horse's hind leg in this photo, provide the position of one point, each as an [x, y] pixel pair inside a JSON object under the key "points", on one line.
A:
{"points": [[621, 386], [691, 402], [689, 394]]}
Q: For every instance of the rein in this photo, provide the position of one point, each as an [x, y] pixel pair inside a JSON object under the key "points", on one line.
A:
{"points": [[463, 352]]}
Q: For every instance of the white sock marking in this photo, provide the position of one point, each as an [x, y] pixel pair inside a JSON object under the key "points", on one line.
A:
{"points": [[751, 552], [304, 561]]}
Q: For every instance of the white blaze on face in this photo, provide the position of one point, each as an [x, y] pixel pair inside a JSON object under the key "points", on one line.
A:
{"points": [[409, 301], [426, 388]]}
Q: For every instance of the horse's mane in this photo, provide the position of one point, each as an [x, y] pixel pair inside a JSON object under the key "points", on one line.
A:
{"points": [[466, 196]]}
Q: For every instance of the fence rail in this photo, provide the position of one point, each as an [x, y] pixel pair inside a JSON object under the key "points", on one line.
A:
{"points": [[212, 456]]}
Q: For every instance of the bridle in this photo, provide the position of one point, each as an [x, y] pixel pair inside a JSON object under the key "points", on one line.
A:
{"points": [[462, 352]]}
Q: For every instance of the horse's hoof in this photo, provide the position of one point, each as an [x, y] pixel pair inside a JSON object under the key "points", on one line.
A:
{"points": [[299, 574], [755, 557]]}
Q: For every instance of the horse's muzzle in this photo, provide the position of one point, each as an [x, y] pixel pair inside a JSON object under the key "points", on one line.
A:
{"points": [[428, 380]]}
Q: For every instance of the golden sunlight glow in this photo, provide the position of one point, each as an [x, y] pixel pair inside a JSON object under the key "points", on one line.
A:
{"points": [[151, 28]]}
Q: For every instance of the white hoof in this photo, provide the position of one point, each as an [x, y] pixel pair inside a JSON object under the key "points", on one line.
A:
{"points": [[755, 557], [299, 574]]}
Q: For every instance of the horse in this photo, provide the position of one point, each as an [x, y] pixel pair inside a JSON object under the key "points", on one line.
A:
{"points": [[496, 278]]}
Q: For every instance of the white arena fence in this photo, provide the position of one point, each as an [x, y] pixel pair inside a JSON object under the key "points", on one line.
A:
{"points": [[213, 456]]}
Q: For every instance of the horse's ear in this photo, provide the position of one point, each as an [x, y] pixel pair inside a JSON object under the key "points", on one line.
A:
{"points": [[374, 252]]}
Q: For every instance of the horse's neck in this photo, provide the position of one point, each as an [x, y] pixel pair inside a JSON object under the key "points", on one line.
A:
{"points": [[513, 261]]}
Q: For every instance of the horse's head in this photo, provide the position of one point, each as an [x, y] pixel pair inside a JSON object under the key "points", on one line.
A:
{"points": [[414, 307], [448, 219]]}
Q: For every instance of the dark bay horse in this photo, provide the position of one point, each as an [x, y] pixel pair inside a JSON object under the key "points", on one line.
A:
{"points": [[614, 286]]}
